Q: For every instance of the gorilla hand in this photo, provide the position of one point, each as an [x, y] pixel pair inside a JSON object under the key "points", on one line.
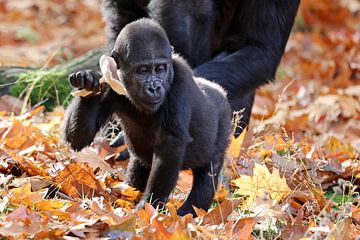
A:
{"points": [[86, 79]]}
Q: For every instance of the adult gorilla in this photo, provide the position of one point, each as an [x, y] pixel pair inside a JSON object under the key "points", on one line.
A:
{"points": [[236, 43]]}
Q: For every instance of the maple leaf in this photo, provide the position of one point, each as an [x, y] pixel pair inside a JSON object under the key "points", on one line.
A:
{"points": [[261, 182]]}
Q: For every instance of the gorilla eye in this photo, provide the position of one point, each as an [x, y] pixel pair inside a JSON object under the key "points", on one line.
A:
{"points": [[142, 70], [160, 68]]}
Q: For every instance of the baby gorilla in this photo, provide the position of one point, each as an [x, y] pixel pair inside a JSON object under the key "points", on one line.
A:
{"points": [[171, 120]]}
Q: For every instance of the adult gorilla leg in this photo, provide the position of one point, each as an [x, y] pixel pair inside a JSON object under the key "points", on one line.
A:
{"points": [[244, 105]]}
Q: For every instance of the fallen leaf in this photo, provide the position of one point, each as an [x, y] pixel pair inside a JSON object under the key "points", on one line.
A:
{"points": [[78, 181], [90, 156], [234, 149], [240, 229], [345, 229], [220, 214], [261, 182]]}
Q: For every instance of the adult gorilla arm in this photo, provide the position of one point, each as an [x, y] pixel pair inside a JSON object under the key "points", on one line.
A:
{"points": [[254, 45]]}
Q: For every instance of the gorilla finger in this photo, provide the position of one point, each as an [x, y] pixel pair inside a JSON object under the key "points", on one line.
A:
{"points": [[118, 141], [124, 155], [88, 81], [96, 86], [80, 79], [72, 79]]}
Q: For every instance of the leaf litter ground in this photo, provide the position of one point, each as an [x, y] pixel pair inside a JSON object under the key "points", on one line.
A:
{"points": [[293, 174]]}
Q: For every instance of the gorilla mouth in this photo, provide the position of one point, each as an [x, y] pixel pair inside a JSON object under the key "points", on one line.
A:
{"points": [[152, 100], [156, 101], [150, 106]]}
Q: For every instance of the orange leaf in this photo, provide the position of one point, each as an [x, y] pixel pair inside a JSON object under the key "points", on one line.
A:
{"points": [[234, 149], [321, 200], [123, 203], [79, 181], [221, 194], [36, 111]]}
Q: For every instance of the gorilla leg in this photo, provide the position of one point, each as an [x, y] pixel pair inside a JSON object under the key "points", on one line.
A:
{"points": [[205, 181], [137, 174]]}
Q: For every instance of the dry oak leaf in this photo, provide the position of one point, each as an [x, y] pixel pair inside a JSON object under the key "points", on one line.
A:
{"points": [[240, 229], [21, 223], [78, 180], [220, 214]]}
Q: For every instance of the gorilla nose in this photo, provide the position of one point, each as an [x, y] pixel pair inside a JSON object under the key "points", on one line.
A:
{"points": [[153, 90]]}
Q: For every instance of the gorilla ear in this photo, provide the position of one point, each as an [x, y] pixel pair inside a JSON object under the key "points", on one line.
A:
{"points": [[116, 56]]}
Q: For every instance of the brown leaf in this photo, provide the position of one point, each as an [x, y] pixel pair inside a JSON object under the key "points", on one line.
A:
{"points": [[219, 214], [345, 229], [10, 104], [185, 180], [321, 200], [21, 222], [25, 197], [90, 156], [240, 229], [263, 107]]}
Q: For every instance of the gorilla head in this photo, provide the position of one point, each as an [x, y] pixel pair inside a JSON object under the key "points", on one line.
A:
{"points": [[144, 58]]}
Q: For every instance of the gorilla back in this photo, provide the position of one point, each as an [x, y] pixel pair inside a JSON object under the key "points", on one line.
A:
{"points": [[171, 120]]}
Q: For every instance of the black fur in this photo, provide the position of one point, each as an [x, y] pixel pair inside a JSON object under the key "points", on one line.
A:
{"points": [[236, 43], [187, 127]]}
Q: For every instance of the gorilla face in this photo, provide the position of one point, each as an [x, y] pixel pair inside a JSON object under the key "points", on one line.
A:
{"points": [[148, 83], [144, 59]]}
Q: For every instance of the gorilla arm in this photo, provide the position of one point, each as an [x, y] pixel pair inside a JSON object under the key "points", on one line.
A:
{"points": [[91, 108], [84, 117], [255, 43]]}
